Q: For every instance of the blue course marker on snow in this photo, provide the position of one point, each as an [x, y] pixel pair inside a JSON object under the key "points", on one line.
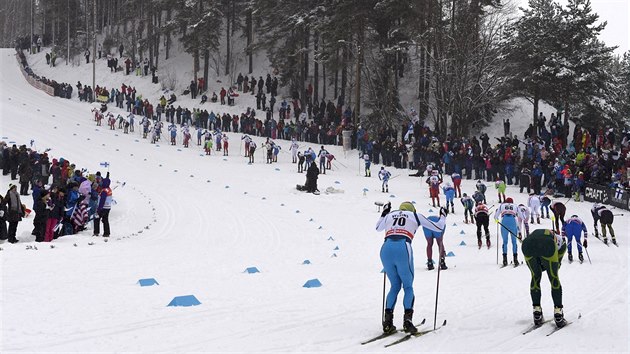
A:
{"points": [[319, 228], [136, 140], [297, 211], [251, 270], [313, 283], [179, 149], [337, 182], [334, 255], [392, 196], [462, 243], [413, 202], [228, 187], [277, 169], [462, 232], [331, 238], [336, 248], [454, 224], [243, 192], [281, 204], [187, 300], [430, 210], [148, 282], [311, 219], [306, 261], [174, 170], [264, 198], [450, 254]]}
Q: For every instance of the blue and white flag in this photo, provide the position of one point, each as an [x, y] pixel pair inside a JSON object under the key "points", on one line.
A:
{"points": [[104, 164]]}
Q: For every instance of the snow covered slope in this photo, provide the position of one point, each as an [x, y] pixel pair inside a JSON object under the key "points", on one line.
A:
{"points": [[204, 220]]}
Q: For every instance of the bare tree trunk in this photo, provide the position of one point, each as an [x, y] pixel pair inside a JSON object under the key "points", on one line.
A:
{"points": [[158, 37], [357, 103], [336, 87], [315, 67], [168, 34], [228, 36], [250, 34], [345, 53]]}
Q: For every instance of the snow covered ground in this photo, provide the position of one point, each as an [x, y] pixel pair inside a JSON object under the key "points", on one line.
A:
{"points": [[204, 220]]}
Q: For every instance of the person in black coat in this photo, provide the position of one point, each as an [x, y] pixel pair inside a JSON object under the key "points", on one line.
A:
{"points": [[15, 211], [3, 219], [41, 216], [311, 178]]}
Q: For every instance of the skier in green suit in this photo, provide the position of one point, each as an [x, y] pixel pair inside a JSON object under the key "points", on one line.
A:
{"points": [[543, 251]]}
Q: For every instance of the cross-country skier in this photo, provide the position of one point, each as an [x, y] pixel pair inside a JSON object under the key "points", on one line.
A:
{"points": [[449, 193], [468, 204], [544, 206], [457, 181], [396, 255], [384, 175], [508, 213], [481, 187], [482, 219], [368, 163], [533, 202], [543, 251], [522, 219], [558, 209], [225, 139], [294, 150], [173, 129], [252, 149], [431, 234], [301, 159], [605, 217], [500, 187], [322, 159], [247, 141], [434, 182], [574, 228]]}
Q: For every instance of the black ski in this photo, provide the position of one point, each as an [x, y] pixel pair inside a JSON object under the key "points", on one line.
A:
{"points": [[535, 326], [556, 329], [385, 335], [606, 243], [418, 334]]}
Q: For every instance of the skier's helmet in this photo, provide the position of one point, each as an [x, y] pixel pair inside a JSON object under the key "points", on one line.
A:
{"points": [[509, 200], [407, 206]]}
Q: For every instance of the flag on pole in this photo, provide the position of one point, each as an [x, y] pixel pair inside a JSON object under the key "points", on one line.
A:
{"points": [[104, 164]]}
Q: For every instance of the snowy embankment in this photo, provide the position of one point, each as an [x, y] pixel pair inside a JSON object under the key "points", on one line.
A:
{"points": [[204, 220]]}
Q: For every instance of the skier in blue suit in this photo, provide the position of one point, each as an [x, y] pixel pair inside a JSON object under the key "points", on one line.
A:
{"points": [[573, 228], [400, 227], [449, 193]]}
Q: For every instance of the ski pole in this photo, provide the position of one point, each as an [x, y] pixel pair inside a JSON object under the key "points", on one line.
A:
{"points": [[437, 291], [383, 309], [587, 255], [617, 214], [497, 243]]}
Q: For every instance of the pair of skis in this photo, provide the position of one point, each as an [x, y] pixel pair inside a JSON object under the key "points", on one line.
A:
{"points": [[554, 330], [406, 337]]}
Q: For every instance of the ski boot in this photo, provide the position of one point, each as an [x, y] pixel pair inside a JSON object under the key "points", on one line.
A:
{"points": [[537, 220], [614, 241], [570, 257], [505, 263], [388, 321], [516, 262], [488, 241], [558, 317], [580, 257], [383, 190], [443, 264], [531, 221], [386, 189], [479, 243], [538, 316], [408, 322], [605, 241], [430, 264], [452, 209]]}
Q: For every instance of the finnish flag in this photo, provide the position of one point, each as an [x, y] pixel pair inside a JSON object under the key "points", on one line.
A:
{"points": [[619, 193], [104, 164]]}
